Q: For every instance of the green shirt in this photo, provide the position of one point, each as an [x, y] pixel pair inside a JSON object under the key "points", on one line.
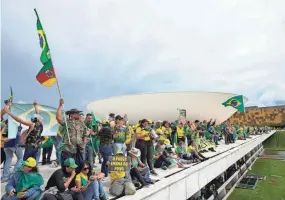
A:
{"points": [[135, 162], [120, 135], [93, 138], [180, 149]]}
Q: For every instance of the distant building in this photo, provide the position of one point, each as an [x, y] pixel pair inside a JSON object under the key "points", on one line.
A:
{"points": [[273, 115], [166, 106]]}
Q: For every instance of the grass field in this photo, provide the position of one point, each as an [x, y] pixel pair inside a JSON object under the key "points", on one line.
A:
{"points": [[275, 142], [273, 188]]}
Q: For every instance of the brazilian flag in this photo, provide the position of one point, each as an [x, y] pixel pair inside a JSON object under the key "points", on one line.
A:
{"points": [[46, 75], [235, 102]]}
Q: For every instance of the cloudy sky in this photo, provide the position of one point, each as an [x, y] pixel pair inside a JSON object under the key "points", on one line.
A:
{"points": [[107, 48]]}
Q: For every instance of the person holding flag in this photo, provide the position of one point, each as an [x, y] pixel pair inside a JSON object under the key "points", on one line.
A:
{"points": [[73, 144]]}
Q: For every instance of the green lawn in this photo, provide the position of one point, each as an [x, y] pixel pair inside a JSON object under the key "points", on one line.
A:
{"points": [[275, 142], [273, 188]]}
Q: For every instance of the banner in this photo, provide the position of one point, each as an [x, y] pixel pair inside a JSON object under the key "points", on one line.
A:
{"points": [[118, 164], [182, 116], [25, 111]]}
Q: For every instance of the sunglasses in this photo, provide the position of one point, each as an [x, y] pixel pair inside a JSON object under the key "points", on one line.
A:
{"points": [[86, 168]]}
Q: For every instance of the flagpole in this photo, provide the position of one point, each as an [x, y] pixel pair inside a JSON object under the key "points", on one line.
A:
{"points": [[57, 84]]}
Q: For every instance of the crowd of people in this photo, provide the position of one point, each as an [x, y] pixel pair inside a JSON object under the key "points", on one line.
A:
{"points": [[81, 138]]}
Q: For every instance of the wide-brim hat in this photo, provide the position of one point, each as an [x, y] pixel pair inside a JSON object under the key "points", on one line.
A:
{"points": [[136, 152], [74, 110], [167, 141]]}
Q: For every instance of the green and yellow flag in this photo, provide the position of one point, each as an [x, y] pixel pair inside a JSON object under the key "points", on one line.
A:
{"points": [[235, 102], [46, 75], [10, 98]]}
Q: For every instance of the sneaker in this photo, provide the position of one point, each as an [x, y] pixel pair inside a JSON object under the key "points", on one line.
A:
{"points": [[54, 164], [153, 172], [164, 168], [104, 197]]}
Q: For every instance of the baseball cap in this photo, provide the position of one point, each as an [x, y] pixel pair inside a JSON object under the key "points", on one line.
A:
{"points": [[105, 121], [35, 116], [119, 152], [30, 162], [70, 162]]}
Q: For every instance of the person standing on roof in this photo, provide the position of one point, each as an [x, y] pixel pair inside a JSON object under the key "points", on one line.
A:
{"points": [[106, 139], [93, 138], [33, 140], [120, 136], [77, 134], [145, 144]]}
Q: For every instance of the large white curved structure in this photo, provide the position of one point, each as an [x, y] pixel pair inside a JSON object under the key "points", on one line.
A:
{"points": [[164, 106]]}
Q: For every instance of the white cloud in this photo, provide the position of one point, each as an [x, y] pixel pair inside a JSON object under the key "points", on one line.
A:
{"points": [[224, 46]]}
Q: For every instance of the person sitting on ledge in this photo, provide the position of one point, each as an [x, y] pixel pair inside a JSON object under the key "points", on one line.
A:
{"points": [[25, 183]]}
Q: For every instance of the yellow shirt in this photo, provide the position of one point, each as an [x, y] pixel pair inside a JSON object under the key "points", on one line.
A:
{"points": [[82, 178], [145, 133], [130, 135], [116, 175], [190, 149], [167, 131], [160, 132], [180, 132]]}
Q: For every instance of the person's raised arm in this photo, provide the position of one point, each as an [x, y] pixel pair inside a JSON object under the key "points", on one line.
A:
{"points": [[59, 119], [214, 122], [36, 106], [18, 119], [209, 124], [3, 111]]}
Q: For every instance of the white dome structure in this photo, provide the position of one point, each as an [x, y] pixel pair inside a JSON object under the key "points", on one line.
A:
{"points": [[165, 106]]}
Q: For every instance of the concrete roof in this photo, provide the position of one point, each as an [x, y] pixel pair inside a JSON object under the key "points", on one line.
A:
{"points": [[164, 106]]}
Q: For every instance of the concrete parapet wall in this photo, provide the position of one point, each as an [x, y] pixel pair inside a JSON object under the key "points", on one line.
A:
{"points": [[186, 183]]}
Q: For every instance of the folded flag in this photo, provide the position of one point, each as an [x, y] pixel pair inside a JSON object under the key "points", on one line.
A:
{"points": [[235, 102], [46, 75]]}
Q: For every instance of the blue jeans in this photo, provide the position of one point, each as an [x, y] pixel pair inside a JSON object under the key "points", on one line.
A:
{"points": [[216, 139], [106, 152], [9, 151], [31, 152], [34, 196], [99, 188], [92, 191], [58, 147], [90, 155], [146, 174], [38, 155]]}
